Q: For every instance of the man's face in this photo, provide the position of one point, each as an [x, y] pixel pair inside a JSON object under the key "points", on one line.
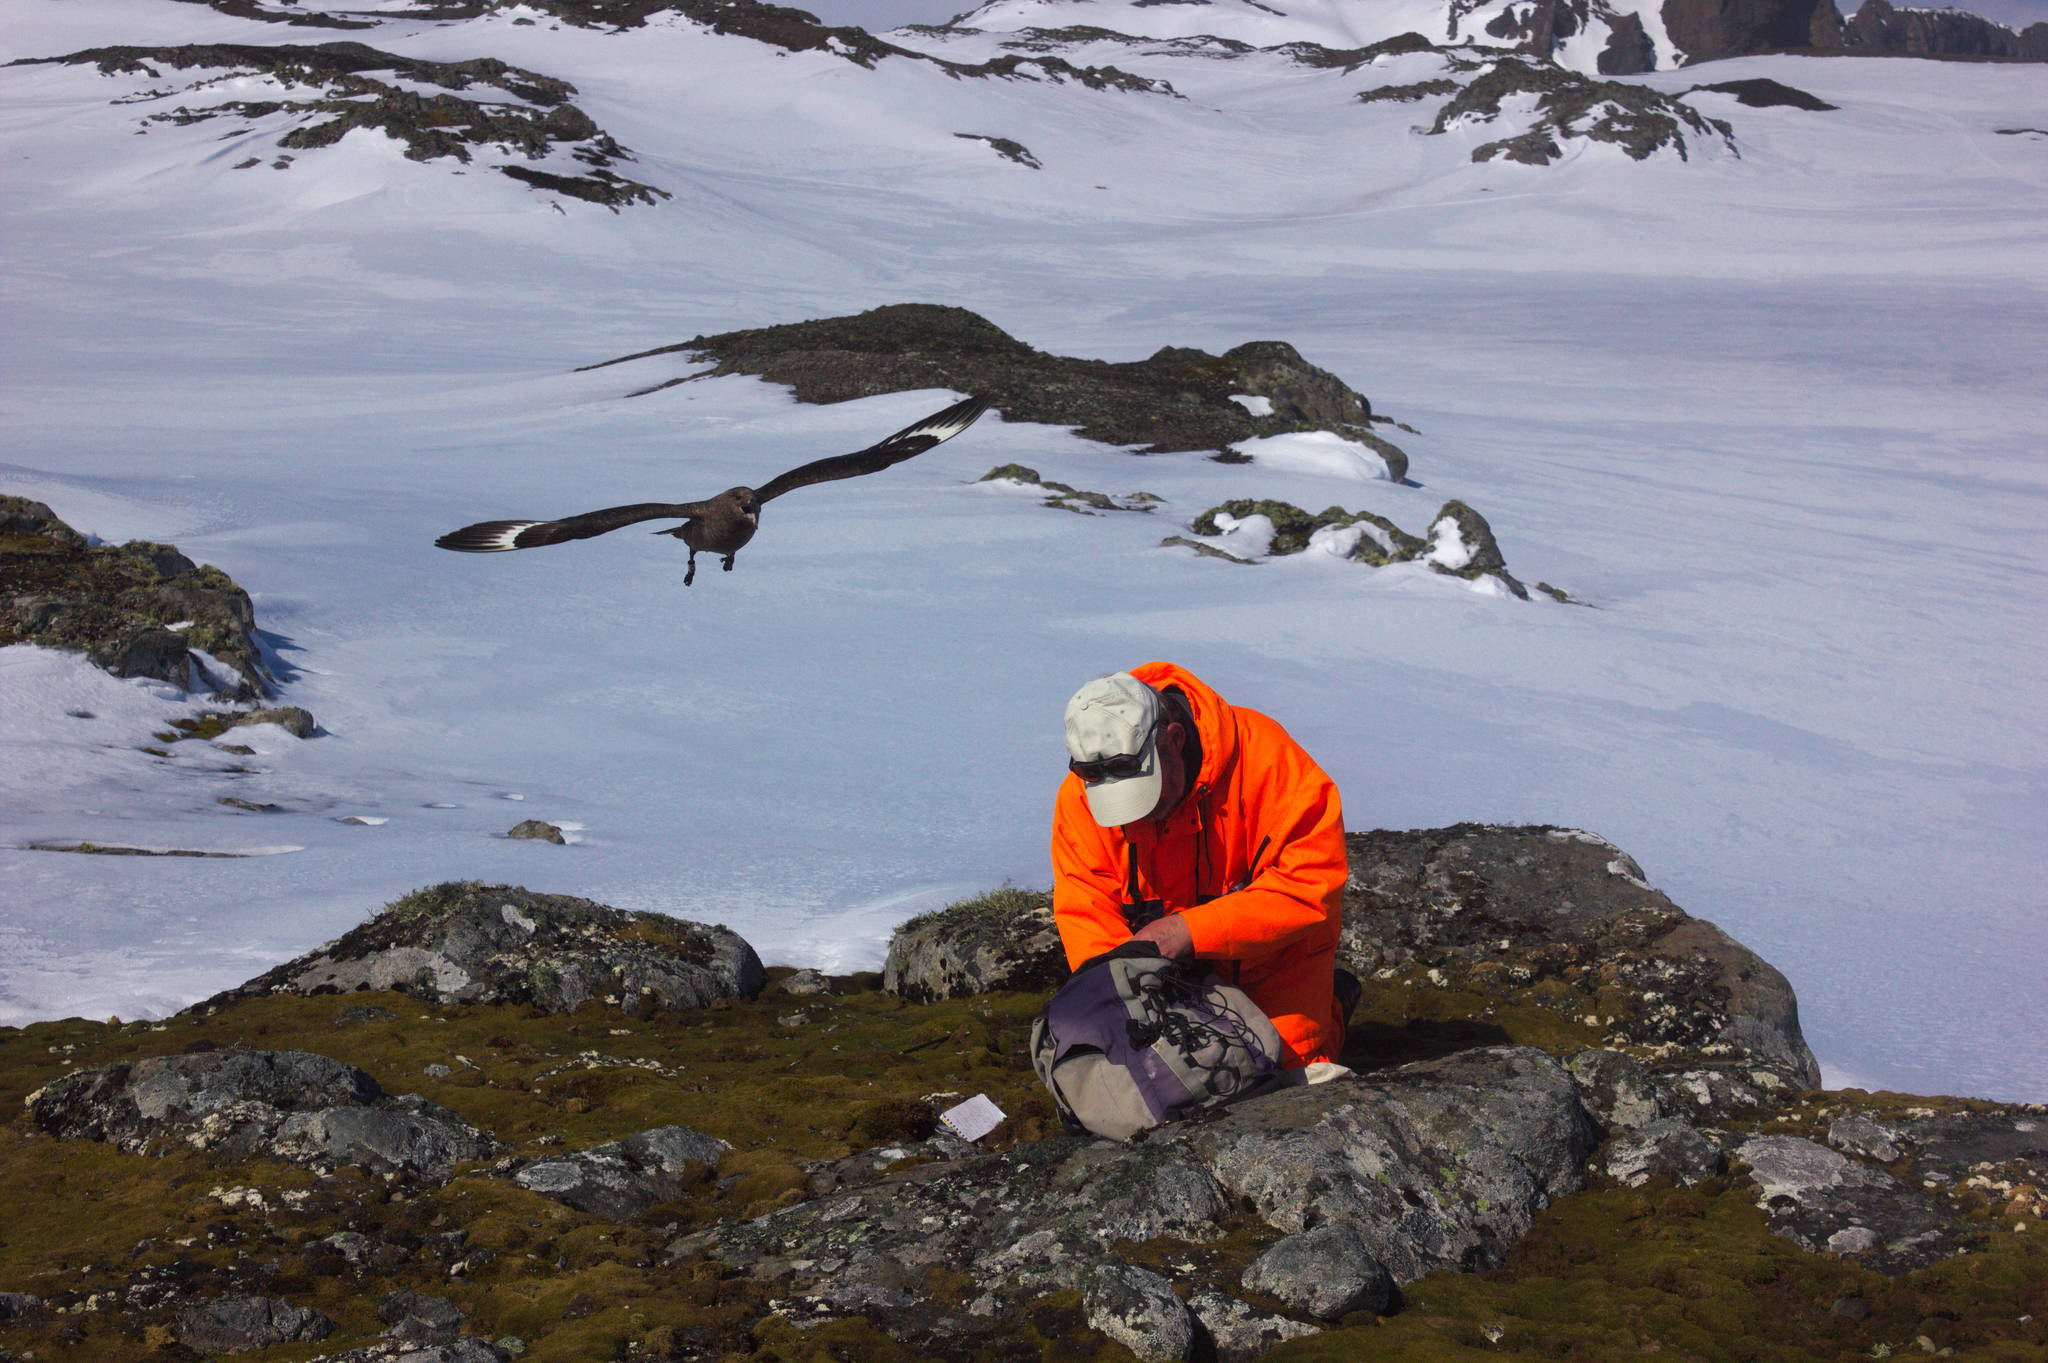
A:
{"points": [[1173, 770]]}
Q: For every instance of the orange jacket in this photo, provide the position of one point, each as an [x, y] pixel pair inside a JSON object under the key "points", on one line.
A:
{"points": [[1253, 861]]}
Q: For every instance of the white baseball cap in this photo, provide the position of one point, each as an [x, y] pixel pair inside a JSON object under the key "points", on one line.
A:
{"points": [[1112, 741]]}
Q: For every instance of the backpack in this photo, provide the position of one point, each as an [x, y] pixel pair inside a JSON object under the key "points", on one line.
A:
{"points": [[1132, 1040]]}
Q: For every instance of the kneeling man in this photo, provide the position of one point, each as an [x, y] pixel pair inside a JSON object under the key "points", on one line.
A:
{"points": [[1201, 827]]}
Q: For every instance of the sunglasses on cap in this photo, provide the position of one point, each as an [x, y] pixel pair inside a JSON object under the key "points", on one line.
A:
{"points": [[1121, 767]]}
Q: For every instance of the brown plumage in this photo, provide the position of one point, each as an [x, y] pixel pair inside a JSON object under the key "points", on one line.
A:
{"points": [[723, 524]]}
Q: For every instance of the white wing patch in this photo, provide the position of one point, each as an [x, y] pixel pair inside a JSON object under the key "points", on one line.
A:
{"points": [[939, 431]]}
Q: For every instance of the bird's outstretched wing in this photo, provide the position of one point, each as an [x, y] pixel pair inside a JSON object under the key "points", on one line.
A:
{"points": [[491, 537], [935, 429]]}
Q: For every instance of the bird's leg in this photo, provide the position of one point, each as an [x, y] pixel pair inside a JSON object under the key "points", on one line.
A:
{"points": [[690, 574], [728, 562]]}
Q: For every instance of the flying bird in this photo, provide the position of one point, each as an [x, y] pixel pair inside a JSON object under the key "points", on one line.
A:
{"points": [[723, 524]]}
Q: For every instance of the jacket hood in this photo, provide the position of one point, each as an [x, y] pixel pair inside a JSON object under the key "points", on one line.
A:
{"points": [[1214, 723]]}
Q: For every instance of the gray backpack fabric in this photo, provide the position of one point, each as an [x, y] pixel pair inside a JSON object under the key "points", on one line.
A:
{"points": [[1133, 1040]]}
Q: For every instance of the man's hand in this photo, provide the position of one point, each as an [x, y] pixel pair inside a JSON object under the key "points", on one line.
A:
{"points": [[1170, 935]]}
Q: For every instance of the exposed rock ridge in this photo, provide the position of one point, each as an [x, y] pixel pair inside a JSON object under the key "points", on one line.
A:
{"points": [[118, 604], [1178, 399], [465, 942]]}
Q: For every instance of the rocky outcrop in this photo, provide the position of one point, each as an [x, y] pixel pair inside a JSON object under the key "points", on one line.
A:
{"points": [[1458, 543], [289, 1105], [1880, 27], [357, 87], [1441, 1164], [1003, 940], [1563, 921], [622, 1178], [233, 1325], [136, 609], [1569, 106], [1065, 496], [1826, 1202], [1708, 30], [1179, 399], [465, 942]]}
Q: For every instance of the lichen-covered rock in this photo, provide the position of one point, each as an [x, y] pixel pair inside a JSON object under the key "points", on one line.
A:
{"points": [[1178, 399], [1002, 940], [463, 1350], [622, 1178], [1138, 1309], [238, 1324], [293, 719], [117, 604], [1824, 1201], [419, 1319], [536, 830], [1375, 540], [1240, 1331], [290, 1105], [1325, 1272], [1563, 920], [1665, 1148], [464, 942], [1615, 1088], [1437, 1165], [1461, 543], [1857, 1135]]}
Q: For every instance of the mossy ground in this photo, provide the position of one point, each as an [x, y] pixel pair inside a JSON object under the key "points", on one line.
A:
{"points": [[1608, 1274]]}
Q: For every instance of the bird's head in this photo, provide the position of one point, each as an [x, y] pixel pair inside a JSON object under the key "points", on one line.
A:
{"points": [[744, 500]]}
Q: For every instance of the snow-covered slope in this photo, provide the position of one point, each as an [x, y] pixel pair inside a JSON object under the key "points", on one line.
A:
{"points": [[1775, 415]]}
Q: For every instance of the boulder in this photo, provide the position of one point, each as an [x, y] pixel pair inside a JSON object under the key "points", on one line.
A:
{"points": [[1003, 940], [1564, 921], [1461, 543], [290, 1105], [464, 942], [1240, 1331], [1824, 1201], [293, 719], [623, 1178], [236, 1325], [1666, 1148], [538, 831], [1138, 1309], [1615, 1089], [420, 1319], [1437, 1165], [1325, 1272]]}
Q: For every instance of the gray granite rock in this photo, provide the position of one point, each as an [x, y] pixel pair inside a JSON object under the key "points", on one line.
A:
{"points": [[1824, 1201], [290, 1105], [1666, 1148], [1862, 1136], [1003, 940], [1616, 1089], [1138, 1309], [1239, 1331], [419, 1319], [464, 942], [623, 1178], [1326, 1272], [1565, 920]]}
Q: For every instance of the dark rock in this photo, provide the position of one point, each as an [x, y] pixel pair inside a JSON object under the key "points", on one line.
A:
{"points": [[1666, 1148], [1615, 1088], [1325, 1272], [420, 1319], [347, 95], [464, 942], [1639, 120], [1629, 51], [1763, 93], [1461, 543], [1382, 542], [1179, 399], [623, 1178], [15, 1305], [1138, 1309], [239, 1324], [1240, 1331], [359, 1012], [1003, 940], [1878, 26], [1408, 94], [116, 604], [1007, 148], [290, 1105], [1563, 920], [1828, 1203], [1708, 30], [536, 830], [1203, 550], [252, 806]]}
